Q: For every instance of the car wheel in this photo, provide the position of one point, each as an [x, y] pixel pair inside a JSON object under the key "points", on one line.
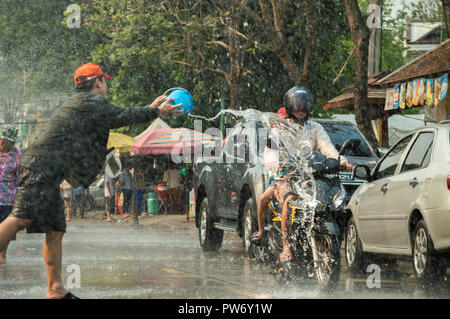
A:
{"points": [[249, 226], [210, 237], [428, 267], [354, 256]]}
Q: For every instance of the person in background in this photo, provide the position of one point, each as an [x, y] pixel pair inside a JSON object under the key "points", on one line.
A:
{"points": [[9, 177], [109, 197], [127, 184], [119, 197], [67, 194], [78, 201], [172, 177]]}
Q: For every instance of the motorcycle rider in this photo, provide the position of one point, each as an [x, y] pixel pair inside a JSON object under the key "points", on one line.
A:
{"points": [[298, 105]]}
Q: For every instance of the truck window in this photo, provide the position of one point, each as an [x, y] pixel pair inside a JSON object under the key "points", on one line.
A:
{"points": [[340, 132]]}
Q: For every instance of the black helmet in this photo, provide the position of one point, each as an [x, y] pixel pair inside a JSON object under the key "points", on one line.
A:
{"points": [[298, 99]]}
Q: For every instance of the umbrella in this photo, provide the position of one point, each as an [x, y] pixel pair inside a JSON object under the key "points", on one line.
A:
{"points": [[156, 125], [120, 141], [170, 141]]}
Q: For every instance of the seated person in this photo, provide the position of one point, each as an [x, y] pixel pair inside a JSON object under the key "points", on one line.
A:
{"points": [[298, 107]]}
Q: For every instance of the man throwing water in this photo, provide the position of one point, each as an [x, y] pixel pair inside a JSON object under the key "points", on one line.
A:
{"points": [[72, 147]]}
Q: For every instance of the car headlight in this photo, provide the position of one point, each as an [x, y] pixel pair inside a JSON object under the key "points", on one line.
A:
{"points": [[338, 199]]}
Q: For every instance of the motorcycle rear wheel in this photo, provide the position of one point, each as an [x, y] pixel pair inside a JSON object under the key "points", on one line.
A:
{"points": [[328, 265]]}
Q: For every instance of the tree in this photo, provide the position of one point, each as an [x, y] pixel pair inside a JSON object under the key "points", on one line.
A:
{"points": [[38, 53], [360, 34], [273, 19], [446, 13]]}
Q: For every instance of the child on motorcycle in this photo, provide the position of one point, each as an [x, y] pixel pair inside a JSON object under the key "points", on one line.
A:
{"points": [[298, 106]]}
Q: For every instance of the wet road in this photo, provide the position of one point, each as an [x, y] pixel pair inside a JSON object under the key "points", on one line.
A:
{"points": [[111, 261]]}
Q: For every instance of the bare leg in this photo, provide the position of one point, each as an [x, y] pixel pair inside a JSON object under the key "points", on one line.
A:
{"points": [[67, 204], [3, 255], [8, 229], [286, 254], [53, 263], [262, 206], [109, 202]]}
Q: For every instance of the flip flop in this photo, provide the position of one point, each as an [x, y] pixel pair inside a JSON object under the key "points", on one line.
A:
{"points": [[70, 295]]}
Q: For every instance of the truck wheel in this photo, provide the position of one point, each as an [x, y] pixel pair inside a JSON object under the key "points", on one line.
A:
{"points": [[249, 226], [210, 238]]}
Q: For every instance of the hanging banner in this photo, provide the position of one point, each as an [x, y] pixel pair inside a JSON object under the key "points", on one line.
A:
{"points": [[437, 91], [396, 96], [415, 100], [409, 94], [402, 102], [444, 86], [419, 92], [430, 88], [390, 93]]}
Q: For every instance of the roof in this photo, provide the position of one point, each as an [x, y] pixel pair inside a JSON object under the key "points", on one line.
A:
{"points": [[433, 62], [375, 94], [433, 36]]}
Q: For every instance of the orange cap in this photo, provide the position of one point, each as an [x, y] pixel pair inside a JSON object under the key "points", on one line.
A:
{"points": [[88, 72]]}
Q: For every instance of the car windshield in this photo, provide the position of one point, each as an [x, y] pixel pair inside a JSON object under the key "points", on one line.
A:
{"points": [[340, 132]]}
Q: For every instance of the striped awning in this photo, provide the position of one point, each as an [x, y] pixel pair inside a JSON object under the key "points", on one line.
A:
{"points": [[171, 141]]}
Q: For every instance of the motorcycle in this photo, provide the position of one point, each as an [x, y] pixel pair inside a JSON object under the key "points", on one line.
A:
{"points": [[313, 230]]}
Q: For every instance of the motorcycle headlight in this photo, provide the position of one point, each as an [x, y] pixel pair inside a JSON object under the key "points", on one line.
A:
{"points": [[305, 191], [338, 199]]}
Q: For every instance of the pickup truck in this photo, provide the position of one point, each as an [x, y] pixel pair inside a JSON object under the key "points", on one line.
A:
{"points": [[227, 186]]}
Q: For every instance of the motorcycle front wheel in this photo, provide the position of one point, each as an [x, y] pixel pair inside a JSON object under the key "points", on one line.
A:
{"points": [[327, 263]]}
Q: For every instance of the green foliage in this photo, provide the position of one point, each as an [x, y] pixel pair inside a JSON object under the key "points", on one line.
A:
{"points": [[149, 46]]}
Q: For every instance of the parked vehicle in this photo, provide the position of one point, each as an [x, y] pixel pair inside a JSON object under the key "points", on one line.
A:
{"points": [[313, 231], [226, 194], [96, 199], [402, 210]]}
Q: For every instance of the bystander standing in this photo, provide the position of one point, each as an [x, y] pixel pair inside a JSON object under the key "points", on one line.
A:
{"points": [[67, 194], [9, 177], [109, 197], [127, 184]]}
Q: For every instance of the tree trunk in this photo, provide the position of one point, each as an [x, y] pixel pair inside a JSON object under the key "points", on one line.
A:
{"points": [[274, 27], [308, 62], [360, 34], [446, 9]]}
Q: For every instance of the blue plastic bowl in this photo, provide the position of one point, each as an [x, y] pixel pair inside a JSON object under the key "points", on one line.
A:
{"points": [[182, 96]]}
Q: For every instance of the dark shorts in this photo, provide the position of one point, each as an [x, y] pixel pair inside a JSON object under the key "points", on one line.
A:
{"points": [[38, 195]]}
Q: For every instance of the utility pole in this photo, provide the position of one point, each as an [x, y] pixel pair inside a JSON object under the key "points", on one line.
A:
{"points": [[375, 26]]}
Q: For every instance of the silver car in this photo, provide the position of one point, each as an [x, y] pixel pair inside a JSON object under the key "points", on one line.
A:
{"points": [[403, 207]]}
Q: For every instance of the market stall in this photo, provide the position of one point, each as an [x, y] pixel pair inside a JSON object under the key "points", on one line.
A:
{"points": [[162, 148], [422, 82]]}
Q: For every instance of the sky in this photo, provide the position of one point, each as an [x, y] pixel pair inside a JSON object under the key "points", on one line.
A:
{"points": [[397, 4]]}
